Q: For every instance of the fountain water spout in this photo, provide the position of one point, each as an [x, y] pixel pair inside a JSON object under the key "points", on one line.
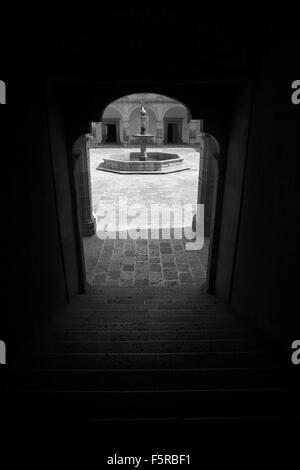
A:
{"points": [[143, 118]]}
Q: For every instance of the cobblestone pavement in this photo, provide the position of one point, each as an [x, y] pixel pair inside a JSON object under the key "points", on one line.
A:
{"points": [[163, 262]]}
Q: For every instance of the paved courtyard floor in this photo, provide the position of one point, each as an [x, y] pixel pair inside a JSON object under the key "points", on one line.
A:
{"points": [[144, 262], [174, 189]]}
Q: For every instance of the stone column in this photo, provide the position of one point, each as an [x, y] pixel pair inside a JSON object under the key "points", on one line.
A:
{"points": [[98, 132], [126, 131], [2, 92], [159, 132], [81, 156], [93, 133], [194, 131]]}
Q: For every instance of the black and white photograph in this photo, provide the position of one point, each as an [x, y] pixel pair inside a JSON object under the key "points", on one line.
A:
{"points": [[150, 273]]}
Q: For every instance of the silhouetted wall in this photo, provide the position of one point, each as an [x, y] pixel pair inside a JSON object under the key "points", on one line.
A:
{"points": [[66, 202], [233, 186], [38, 239], [265, 285]]}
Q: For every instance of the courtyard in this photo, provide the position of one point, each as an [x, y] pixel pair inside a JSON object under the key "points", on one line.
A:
{"points": [[172, 189], [146, 261]]}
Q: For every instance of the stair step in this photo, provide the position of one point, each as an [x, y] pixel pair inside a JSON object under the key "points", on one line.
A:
{"points": [[136, 323], [141, 307], [152, 353], [141, 335], [129, 325], [186, 315], [229, 345], [149, 360], [153, 379], [150, 404], [138, 304]]}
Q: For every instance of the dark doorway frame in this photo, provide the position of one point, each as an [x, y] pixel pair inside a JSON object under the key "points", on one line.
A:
{"points": [[217, 108], [211, 150], [177, 122], [111, 121]]}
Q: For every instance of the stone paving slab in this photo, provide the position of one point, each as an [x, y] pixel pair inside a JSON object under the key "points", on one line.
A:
{"points": [[135, 263]]}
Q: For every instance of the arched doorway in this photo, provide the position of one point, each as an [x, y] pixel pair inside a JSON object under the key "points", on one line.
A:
{"points": [[190, 267], [111, 125], [176, 125]]}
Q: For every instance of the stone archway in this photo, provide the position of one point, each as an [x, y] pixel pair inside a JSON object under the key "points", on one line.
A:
{"points": [[111, 121], [176, 124], [209, 165], [208, 170]]}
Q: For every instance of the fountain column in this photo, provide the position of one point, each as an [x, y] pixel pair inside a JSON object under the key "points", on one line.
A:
{"points": [[143, 149], [143, 137], [143, 117], [126, 126]]}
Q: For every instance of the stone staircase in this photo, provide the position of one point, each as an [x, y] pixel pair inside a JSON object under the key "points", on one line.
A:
{"points": [[152, 354]]}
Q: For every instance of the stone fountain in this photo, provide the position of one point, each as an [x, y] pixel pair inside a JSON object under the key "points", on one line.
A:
{"points": [[143, 162], [142, 136]]}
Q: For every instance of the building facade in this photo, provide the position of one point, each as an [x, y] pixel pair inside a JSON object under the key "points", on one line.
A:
{"points": [[168, 120]]}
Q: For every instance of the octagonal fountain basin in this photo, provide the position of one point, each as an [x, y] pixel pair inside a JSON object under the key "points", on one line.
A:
{"points": [[134, 163]]}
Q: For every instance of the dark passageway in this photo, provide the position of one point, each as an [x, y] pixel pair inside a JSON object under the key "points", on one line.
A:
{"points": [[220, 352]]}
